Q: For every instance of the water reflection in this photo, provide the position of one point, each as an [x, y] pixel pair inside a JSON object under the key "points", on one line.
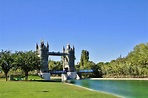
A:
{"points": [[126, 88], [85, 83]]}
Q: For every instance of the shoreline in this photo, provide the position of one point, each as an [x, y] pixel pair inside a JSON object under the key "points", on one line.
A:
{"points": [[118, 78], [108, 78], [95, 90]]}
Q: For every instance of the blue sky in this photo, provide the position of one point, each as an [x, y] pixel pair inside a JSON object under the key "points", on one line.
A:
{"points": [[106, 28]]}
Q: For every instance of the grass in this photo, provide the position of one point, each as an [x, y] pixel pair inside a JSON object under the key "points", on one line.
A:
{"points": [[34, 89]]}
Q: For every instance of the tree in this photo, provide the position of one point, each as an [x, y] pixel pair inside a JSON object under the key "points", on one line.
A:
{"points": [[84, 59], [6, 61], [139, 55], [27, 61]]}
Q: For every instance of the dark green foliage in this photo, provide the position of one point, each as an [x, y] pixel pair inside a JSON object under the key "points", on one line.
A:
{"points": [[26, 61], [6, 61], [84, 59]]}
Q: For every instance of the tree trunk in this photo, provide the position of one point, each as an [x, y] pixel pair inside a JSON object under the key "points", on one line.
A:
{"points": [[26, 76], [6, 76]]}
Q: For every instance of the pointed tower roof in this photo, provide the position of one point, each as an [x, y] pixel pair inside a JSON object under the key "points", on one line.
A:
{"points": [[47, 45], [68, 46], [37, 46], [42, 41]]}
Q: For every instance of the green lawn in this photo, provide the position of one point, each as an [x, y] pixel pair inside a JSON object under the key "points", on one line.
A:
{"points": [[34, 89]]}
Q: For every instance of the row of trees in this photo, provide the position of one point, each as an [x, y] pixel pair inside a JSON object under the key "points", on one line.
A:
{"points": [[26, 61], [55, 65], [135, 64]]}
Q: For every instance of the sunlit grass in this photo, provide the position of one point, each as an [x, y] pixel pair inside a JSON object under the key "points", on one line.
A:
{"points": [[34, 89]]}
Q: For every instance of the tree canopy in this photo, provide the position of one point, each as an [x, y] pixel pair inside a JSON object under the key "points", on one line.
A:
{"points": [[135, 64], [6, 61], [26, 61]]}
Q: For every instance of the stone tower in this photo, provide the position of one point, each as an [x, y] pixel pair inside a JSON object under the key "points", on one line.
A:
{"points": [[42, 52], [69, 63], [69, 59]]}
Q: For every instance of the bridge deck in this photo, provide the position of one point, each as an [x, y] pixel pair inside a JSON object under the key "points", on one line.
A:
{"points": [[64, 72], [56, 53]]}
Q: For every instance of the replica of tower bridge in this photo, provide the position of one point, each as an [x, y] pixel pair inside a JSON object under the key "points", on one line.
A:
{"points": [[68, 59]]}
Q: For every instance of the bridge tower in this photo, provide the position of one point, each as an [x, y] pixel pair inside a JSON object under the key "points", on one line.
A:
{"points": [[69, 63], [69, 59], [42, 52]]}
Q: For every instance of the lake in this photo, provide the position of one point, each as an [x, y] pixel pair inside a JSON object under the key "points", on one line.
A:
{"points": [[124, 88]]}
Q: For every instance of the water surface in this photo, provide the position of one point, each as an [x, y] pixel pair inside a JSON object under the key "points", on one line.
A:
{"points": [[124, 88]]}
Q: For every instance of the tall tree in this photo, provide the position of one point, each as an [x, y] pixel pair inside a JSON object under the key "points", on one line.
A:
{"points": [[84, 58], [6, 61]]}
